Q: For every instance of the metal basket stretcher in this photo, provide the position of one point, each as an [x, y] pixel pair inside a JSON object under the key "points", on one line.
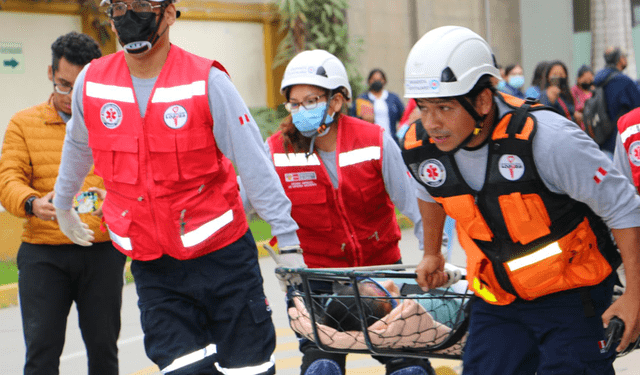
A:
{"points": [[378, 310]]}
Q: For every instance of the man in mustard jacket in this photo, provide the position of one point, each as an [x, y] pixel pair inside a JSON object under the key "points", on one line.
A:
{"points": [[54, 272]]}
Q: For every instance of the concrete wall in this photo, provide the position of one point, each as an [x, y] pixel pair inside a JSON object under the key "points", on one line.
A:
{"points": [[547, 34], [385, 30]]}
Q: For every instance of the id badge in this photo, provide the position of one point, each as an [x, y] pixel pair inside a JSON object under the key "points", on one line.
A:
{"points": [[85, 202]]}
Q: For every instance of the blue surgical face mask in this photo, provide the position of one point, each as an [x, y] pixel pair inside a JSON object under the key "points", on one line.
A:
{"points": [[308, 121], [501, 85], [516, 81]]}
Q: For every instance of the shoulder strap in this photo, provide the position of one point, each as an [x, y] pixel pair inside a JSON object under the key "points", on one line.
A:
{"points": [[610, 76]]}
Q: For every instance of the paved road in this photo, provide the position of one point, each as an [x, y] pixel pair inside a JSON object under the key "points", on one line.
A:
{"points": [[133, 360]]}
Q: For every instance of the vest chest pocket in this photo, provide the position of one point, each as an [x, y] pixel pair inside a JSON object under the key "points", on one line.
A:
{"points": [[115, 157], [310, 210], [182, 156], [525, 216], [463, 209]]}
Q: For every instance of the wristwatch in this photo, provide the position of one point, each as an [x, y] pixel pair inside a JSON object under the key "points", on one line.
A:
{"points": [[28, 205]]}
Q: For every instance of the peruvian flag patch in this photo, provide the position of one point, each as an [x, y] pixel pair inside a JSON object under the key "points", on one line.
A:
{"points": [[600, 173]]}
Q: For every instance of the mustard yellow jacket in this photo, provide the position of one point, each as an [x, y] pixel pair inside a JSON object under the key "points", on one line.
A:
{"points": [[29, 163]]}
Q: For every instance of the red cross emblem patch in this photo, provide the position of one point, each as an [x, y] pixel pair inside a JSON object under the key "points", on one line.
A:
{"points": [[110, 115], [634, 153], [432, 172]]}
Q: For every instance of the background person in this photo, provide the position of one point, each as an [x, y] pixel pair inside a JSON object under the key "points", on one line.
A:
{"points": [[582, 91], [536, 81], [514, 81], [622, 92], [173, 204], [54, 272], [556, 93], [343, 177], [387, 106], [539, 251]]}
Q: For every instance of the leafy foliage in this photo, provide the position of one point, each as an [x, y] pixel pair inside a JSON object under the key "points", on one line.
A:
{"points": [[318, 24], [268, 119]]}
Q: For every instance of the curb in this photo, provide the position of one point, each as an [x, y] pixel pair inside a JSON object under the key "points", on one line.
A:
{"points": [[9, 292]]}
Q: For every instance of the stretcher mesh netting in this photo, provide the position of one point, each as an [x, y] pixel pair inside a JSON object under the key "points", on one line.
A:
{"points": [[379, 312]]}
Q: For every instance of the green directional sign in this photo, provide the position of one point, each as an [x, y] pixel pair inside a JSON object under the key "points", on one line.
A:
{"points": [[11, 58]]}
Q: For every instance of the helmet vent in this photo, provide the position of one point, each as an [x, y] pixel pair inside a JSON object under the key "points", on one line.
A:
{"points": [[448, 76], [321, 72]]}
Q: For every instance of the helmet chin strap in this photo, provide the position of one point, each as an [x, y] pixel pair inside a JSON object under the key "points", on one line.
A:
{"points": [[323, 129], [476, 130]]}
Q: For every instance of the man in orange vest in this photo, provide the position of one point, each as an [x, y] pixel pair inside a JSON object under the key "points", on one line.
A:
{"points": [[163, 127], [532, 198]]}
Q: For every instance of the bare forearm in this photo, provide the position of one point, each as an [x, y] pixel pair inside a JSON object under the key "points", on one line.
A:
{"points": [[433, 217], [628, 241]]}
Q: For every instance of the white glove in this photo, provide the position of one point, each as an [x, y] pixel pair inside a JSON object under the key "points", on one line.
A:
{"points": [[289, 257], [72, 227]]}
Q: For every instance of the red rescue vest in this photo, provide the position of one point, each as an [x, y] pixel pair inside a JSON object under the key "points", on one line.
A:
{"points": [[353, 225], [629, 128], [522, 240], [170, 189]]}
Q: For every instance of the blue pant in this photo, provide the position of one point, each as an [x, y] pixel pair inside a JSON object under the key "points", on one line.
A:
{"points": [[212, 307], [551, 335]]}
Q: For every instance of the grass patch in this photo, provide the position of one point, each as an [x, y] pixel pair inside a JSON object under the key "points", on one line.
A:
{"points": [[8, 272]]}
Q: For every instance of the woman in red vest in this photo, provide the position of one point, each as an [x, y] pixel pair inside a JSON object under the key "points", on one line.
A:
{"points": [[343, 177]]}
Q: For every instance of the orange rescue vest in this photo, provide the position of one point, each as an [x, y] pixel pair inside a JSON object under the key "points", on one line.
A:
{"points": [[522, 240]]}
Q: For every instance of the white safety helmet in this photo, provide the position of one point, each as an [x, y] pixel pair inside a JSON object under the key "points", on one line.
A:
{"points": [[107, 2], [446, 62], [317, 68]]}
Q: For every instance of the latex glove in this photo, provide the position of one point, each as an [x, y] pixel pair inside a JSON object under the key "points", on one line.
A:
{"points": [[290, 257], [72, 227]]}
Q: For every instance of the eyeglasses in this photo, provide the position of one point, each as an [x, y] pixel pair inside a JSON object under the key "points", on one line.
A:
{"points": [[308, 103], [62, 88], [143, 9]]}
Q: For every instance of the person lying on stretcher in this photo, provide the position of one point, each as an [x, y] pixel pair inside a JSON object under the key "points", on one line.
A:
{"points": [[392, 321]]}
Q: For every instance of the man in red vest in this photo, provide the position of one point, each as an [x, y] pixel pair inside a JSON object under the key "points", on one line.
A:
{"points": [[146, 116]]}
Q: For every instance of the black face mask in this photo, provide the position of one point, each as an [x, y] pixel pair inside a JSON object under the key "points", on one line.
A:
{"points": [[376, 86], [137, 34], [586, 85]]}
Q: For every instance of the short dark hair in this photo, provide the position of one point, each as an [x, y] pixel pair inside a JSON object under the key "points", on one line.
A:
{"points": [[613, 55], [509, 68], [483, 82], [374, 71], [79, 49], [584, 69]]}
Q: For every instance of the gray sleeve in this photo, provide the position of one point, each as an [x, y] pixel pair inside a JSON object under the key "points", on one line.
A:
{"points": [[569, 162], [77, 158], [399, 186], [240, 141], [621, 159], [248, 207]]}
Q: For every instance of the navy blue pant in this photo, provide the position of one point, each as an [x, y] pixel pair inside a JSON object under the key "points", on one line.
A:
{"points": [[50, 279], [552, 335], [216, 299]]}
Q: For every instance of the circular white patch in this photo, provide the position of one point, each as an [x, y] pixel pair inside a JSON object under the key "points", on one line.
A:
{"points": [[432, 172], [175, 116], [634, 153], [511, 167], [111, 115]]}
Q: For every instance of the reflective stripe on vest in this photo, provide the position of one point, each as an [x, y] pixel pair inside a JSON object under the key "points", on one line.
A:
{"points": [[109, 92], [173, 94], [535, 257], [207, 230], [123, 242], [359, 155], [248, 370], [631, 130], [190, 358], [295, 160]]}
